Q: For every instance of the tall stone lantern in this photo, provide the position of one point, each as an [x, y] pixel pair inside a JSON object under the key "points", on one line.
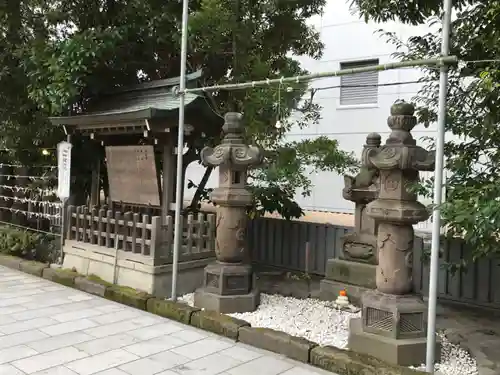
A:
{"points": [[393, 323], [229, 284]]}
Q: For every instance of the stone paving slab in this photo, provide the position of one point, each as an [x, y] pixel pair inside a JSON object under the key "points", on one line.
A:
{"points": [[49, 329]]}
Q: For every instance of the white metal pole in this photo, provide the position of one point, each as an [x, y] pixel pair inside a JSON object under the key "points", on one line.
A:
{"points": [[438, 190], [180, 149]]}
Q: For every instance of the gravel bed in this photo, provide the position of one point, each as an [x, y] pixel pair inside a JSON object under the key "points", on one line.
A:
{"points": [[454, 360], [319, 322]]}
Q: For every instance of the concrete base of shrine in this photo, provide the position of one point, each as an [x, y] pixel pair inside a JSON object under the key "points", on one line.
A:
{"points": [[353, 277], [227, 304], [133, 270], [403, 352]]}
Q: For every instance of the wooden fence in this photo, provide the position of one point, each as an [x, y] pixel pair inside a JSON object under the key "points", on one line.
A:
{"points": [[305, 247], [143, 235]]}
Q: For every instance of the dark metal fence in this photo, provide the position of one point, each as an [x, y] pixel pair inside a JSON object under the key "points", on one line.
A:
{"points": [[305, 246]]}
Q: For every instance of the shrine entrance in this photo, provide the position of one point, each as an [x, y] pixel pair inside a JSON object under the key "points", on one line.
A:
{"points": [[128, 239]]}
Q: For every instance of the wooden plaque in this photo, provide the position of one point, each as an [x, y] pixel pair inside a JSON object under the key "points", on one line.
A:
{"points": [[132, 175]]}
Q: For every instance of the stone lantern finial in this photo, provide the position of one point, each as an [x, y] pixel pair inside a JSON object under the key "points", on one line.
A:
{"points": [[229, 285], [373, 140]]}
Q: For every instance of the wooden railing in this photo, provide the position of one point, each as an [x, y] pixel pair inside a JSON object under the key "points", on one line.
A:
{"points": [[198, 238], [143, 235]]}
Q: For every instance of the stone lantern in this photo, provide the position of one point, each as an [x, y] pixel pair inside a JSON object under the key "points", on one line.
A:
{"points": [[355, 268], [229, 284], [393, 323]]}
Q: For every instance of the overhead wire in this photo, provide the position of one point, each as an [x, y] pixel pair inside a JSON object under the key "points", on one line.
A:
{"points": [[30, 214], [29, 229]]}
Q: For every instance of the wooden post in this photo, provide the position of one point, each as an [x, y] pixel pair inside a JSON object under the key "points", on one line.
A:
{"points": [[100, 227], [95, 185], [200, 232], [145, 220], [93, 226], [85, 224], [167, 178], [155, 236], [127, 218], [170, 236], [181, 218], [69, 223], [211, 232], [135, 221], [308, 257], [78, 223], [189, 234], [109, 217], [117, 230]]}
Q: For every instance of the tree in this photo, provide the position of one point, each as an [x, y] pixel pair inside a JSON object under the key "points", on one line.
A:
{"points": [[19, 25], [472, 153], [85, 47]]}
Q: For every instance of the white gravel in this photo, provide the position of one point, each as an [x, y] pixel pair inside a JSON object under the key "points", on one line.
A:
{"points": [[320, 322], [454, 360]]}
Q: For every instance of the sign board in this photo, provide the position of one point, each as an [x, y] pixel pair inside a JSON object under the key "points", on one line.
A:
{"points": [[132, 175], [63, 169]]}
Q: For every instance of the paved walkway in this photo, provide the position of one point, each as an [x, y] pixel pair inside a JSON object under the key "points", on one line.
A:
{"points": [[49, 329]]}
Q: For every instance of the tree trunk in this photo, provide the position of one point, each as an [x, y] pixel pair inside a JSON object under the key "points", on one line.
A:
{"points": [[197, 195]]}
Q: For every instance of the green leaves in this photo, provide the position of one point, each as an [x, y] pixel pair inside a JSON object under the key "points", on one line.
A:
{"points": [[26, 244], [411, 12], [323, 154], [67, 53], [63, 73]]}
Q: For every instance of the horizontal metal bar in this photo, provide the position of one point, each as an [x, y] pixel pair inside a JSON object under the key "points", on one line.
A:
{"points": [[440, 61]]}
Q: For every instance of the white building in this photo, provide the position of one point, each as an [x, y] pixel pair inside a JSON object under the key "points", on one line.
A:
{"points": [[348, 114]]}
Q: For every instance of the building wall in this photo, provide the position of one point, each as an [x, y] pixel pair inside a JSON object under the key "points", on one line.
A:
{"points": [[348, 39]]}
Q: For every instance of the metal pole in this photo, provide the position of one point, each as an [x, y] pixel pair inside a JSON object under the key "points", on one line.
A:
{"points": [[444, 60], [438, 190], [180, 148], [63, 224]]}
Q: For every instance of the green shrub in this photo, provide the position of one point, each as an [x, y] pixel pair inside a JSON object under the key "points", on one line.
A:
{"points": [[28, 244]]}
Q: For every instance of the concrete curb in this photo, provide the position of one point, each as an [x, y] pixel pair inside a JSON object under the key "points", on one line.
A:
{"points": [[32, 267], [171, 310], [10, 262], [60, 276], [127, 296], [342, 362], [279, 342], [347, 362], [218, 323], [89, 286]]}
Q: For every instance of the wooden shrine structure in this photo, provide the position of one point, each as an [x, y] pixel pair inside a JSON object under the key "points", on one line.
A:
{"points": [[129, 240]]}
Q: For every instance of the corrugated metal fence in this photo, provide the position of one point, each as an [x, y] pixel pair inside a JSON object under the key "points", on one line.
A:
{"points": [[305, 246]]}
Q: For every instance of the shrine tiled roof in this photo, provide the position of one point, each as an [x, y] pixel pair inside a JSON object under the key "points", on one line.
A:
{"points": [[144, 105]]}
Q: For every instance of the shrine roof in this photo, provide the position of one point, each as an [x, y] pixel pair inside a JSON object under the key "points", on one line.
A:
{"points": [[147, 106]]}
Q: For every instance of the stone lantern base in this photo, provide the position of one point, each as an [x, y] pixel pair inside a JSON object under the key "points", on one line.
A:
{"points": [[392, 328], [228, 288]]}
